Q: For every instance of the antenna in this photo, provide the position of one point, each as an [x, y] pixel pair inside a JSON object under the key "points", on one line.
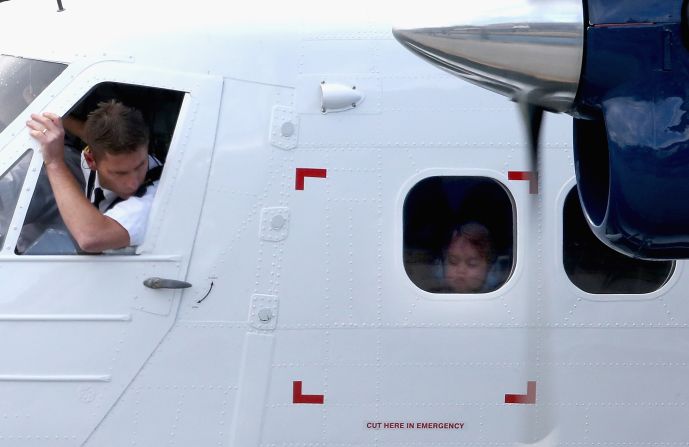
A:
{"points": [[59, 6]]}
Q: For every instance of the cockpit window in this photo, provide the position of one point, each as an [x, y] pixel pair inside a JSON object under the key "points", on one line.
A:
{"points": [[10, 186], [458, 235], [44, 231], [596, 268], [21, 81]]}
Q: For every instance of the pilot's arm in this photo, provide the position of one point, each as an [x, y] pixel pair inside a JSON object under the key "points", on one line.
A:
{"points": [[93, 231], [74, 126]]}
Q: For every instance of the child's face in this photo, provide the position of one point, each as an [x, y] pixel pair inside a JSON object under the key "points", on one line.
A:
{"points": [[465, 268]]}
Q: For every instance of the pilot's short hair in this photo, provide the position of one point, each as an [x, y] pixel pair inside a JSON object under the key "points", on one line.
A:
{"points": [[116, 129], [478, 236]]}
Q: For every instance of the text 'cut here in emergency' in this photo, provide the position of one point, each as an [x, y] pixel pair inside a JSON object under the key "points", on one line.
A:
{"points": [[414, 425]]}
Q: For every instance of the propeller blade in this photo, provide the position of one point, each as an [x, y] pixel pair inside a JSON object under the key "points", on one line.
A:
{"points": [[528, 50], [533, 118]]}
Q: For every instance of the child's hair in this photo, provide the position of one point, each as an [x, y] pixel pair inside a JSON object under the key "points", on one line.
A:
{"points": [[478, 236]]}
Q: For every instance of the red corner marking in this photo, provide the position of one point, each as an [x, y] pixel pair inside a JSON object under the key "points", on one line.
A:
{"points": [[302, 173], [298, 398], [532, 178], [528, 398]]}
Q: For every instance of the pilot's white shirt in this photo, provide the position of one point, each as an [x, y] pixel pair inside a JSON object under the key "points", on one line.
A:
{"points": [[132, 213]]}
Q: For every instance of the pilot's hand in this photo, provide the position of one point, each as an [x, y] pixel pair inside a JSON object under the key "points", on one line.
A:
{"points": [[48, 131]]}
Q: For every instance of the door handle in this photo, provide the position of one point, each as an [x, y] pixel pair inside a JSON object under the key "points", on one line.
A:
{"points": [[164, 283]]}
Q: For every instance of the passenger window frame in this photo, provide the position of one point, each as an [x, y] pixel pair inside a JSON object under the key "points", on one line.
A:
{"points": [[564, 278], [513, 195]]}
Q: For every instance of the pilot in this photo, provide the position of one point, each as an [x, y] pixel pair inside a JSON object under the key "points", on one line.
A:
{"points": [[121, 177], [468, 260]]}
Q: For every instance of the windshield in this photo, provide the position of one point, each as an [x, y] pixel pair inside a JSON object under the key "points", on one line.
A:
{"points": [[10, 187], [21, 81]]}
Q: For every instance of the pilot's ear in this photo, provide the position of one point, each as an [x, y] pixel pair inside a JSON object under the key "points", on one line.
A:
{"points": [[90, 160]]}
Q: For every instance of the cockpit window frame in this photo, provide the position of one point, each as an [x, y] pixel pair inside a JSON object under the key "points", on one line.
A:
{"points": [[75, 83]]}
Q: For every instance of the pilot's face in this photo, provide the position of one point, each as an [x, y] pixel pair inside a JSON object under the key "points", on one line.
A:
{"points": [[465, 267], [122, 174]]}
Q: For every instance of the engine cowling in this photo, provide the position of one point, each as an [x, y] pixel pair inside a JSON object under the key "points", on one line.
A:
{"points": [[631, 129]]}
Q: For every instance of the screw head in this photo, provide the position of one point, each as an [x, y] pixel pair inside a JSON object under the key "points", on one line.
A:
{"points": [[287, 129], [265, 315], [277, 222]]}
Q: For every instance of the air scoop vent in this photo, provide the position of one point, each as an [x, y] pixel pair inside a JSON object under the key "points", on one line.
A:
{"points": [[529, 51]]}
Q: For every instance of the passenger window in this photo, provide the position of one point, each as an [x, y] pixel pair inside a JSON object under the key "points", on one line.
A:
{"points": [[10, 186], [458, 235], [43, 231], [596, 268]]}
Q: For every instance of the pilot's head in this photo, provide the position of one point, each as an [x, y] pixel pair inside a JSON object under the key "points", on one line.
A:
{"points": [[468, 258], [118, 138]]}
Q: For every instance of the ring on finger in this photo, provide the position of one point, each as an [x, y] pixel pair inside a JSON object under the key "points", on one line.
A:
{"points": [[45, 130]]}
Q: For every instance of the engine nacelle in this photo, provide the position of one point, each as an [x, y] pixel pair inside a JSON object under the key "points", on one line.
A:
{"points": [[631, 134]]}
